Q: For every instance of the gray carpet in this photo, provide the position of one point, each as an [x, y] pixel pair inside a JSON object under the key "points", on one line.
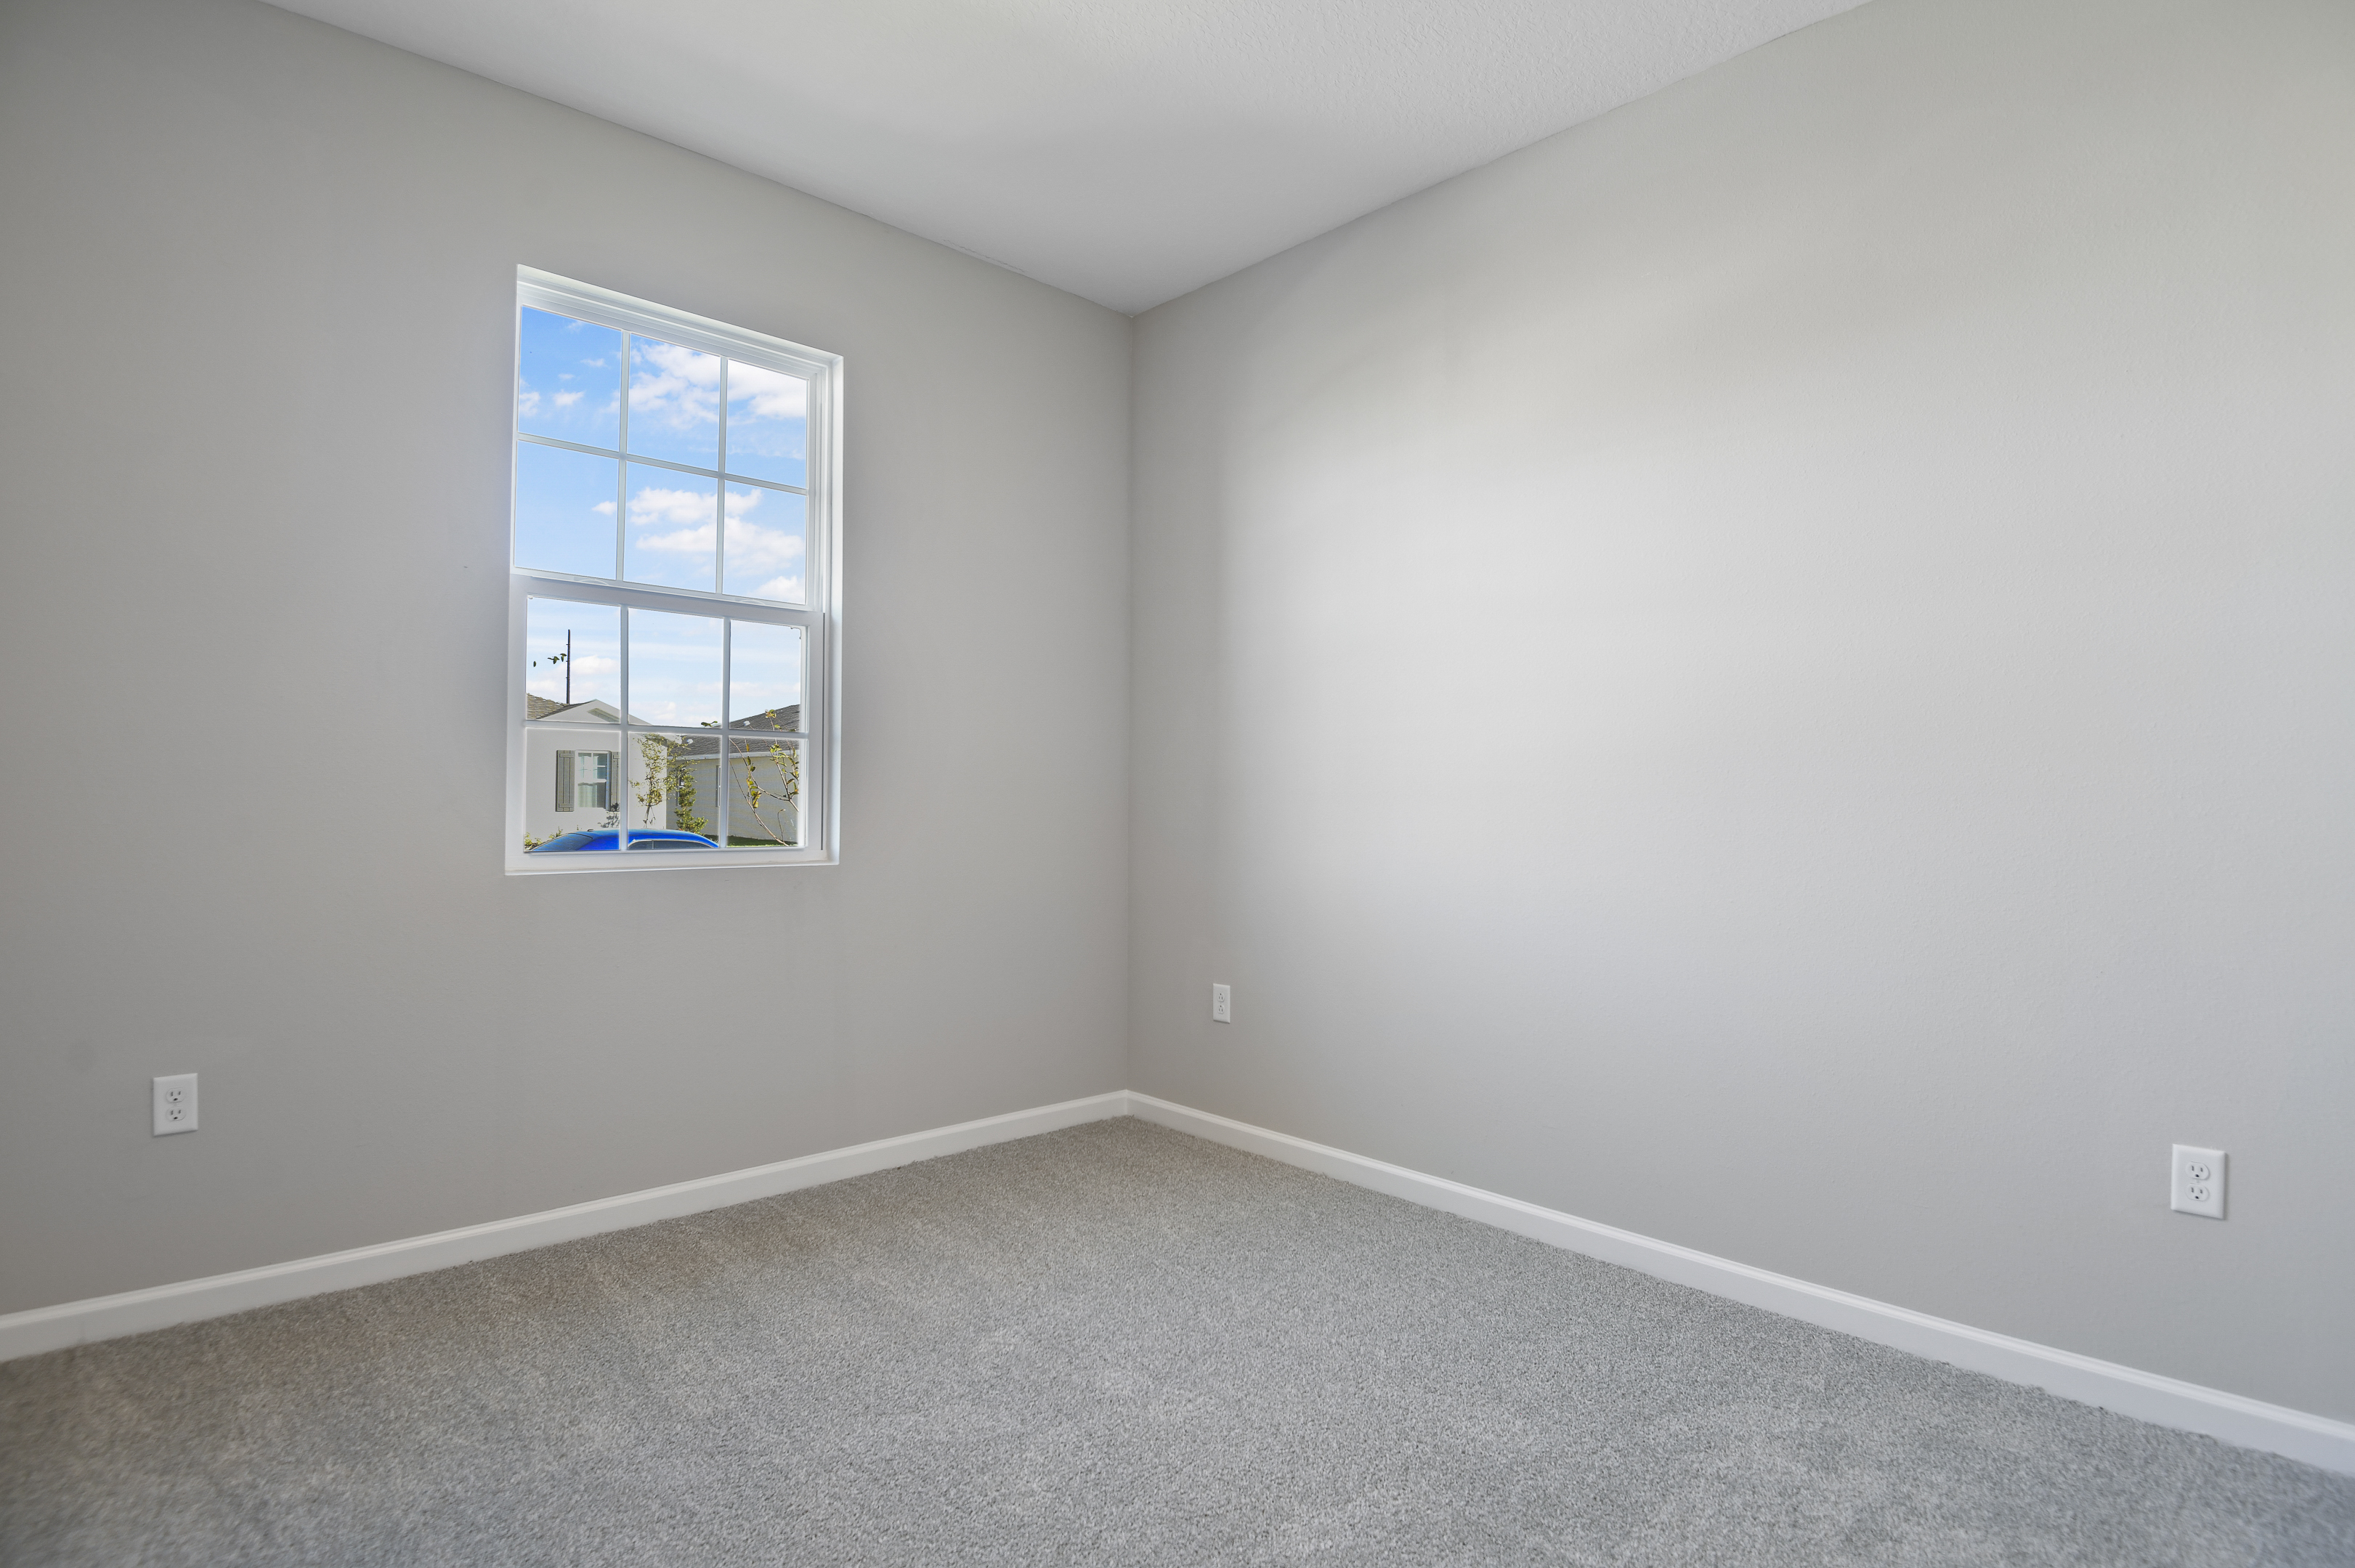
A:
{"points": [[1110, 1345]]}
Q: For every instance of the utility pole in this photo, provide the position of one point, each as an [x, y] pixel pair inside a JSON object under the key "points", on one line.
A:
{"points": [[567, 666]]}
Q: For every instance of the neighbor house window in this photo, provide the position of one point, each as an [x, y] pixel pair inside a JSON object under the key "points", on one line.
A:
{"points": [[671, 649], [584, 781]]}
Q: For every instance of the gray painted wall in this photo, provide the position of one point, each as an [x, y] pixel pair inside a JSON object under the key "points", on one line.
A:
{"points": [[257, 276], [1776, 670]]}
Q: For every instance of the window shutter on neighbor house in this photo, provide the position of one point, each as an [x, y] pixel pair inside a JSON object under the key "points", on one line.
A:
{"points": [[564, 780]]}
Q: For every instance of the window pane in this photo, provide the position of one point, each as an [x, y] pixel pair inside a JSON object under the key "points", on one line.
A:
{"points": [[674, 670], [568, 783], [764, 793], [768, 425], [572, 659], [764, 676], [674, 403], [595, 772], [674, 528], [564, 510], [569, 380], [767, 540], [672, 786]]}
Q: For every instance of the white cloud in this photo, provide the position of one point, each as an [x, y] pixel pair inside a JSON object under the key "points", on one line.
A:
{"points": [[566, 400], [762, 550], [752, 548], [779, 588], [526, 401], [687, 513], [772, 394], [606, 507], [681, 542], [677, 386], [653, 505], [546, 678]]}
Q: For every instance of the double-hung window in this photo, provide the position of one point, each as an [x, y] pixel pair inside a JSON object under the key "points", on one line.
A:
{"points": [[671, 638], [584, 781]]}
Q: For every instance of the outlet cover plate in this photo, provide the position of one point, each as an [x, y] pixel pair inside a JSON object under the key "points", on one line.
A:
{"points": [[176, 1103], [2198, 1183]]}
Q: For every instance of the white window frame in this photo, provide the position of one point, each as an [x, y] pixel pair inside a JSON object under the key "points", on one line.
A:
{"points": [[819, 616]]}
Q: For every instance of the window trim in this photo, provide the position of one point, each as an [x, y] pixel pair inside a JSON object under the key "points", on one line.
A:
{"points": [[819, 614]]}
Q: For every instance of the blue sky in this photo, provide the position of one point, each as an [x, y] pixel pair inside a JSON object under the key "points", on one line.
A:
{"points": [[596, 634], [674, 667], [570, 385]]}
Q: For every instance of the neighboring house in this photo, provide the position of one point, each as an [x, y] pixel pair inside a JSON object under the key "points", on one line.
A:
{"points": [[763, 778], [771, 765], [574, 779]]}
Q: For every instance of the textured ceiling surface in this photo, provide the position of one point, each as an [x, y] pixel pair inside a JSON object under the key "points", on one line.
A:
{"points": [[1126, 150]]}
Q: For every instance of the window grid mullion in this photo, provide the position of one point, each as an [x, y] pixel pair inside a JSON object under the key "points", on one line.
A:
{"points": [[625, 669], [719, 498], [719, 779], [622, 470]]}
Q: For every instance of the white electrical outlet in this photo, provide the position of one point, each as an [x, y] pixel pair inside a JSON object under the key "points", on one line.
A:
{"points": [[2198, 1187], [176, 1103], [1222, 1005]]}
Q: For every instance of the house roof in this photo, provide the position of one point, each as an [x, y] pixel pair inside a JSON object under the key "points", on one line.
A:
{"points": [[786, 718], [785, 721], [594, 710]]}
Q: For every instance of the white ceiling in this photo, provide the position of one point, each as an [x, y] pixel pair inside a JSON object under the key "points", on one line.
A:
{"points": [[1126, 150]]}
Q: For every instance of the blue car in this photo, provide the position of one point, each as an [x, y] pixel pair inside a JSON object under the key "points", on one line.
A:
{"points": [[609, 838]]}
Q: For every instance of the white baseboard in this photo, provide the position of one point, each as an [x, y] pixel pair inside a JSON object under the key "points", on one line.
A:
{"points": [[137, 1311], [2164, 1402]]}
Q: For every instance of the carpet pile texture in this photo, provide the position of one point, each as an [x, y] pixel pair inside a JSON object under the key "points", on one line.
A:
{"points": [[1110, 1345]]}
